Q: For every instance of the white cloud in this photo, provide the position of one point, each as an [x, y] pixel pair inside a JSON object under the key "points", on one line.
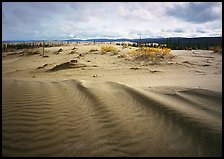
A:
{"points": [[63, 20]]}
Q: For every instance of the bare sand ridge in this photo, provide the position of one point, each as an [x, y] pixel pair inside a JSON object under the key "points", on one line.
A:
{"points": [[86, 103]]}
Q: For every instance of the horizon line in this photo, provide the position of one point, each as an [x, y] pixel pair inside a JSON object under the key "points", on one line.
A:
{"points": [[83, 39]]}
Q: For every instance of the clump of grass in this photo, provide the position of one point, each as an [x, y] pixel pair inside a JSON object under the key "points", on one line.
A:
{"points": [[152, 55], [109, 48]]}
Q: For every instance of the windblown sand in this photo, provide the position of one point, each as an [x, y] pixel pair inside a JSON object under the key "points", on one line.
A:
{"points": [[88, 104]]}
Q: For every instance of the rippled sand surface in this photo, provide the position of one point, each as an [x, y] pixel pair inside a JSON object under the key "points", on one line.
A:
{"points": [[81, 118]]}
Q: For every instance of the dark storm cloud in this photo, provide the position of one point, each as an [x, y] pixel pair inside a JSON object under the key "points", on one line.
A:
{"points": [[196, 12]]}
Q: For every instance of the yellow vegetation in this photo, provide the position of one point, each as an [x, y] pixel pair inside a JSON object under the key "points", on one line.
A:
{"points": [[109, 48], [154, 55], [151, 51]]}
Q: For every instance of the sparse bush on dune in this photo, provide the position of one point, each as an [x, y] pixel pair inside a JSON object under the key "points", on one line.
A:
{"points": [[122, 56], [109, 48], [124, 46], [72, 52], [60, 50], [216, 49], [152, 55], [74, 48]]}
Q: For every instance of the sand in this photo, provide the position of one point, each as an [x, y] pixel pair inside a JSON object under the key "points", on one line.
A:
{"points": [[86, 103]]}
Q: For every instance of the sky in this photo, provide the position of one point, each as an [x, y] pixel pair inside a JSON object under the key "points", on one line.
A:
{"points": [[87, 20]]}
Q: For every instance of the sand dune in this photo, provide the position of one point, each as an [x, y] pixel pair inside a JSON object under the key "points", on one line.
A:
{"points": [[86, 103], [86, 118], [69, 65]]}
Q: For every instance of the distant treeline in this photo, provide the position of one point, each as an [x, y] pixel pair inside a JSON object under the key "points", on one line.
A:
{"points": [[194, 43], [10, 46], [204, 43], [179, 43]]}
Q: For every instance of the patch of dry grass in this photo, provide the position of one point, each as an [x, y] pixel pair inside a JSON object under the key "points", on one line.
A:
{"points": [[109, 48], [152, 55]]}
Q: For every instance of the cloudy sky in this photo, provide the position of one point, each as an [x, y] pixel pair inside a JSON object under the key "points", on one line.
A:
{"points": [[64, 20]]}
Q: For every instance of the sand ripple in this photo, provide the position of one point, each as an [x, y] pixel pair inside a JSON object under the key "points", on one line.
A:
{"points": [[80, 118]]}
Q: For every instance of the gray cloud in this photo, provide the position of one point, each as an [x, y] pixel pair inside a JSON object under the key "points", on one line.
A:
{"points": [[197, 12], [176, 30], [201, 31]]}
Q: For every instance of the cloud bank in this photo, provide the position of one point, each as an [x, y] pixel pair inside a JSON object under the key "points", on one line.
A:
{"points": [[69, 20]]}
